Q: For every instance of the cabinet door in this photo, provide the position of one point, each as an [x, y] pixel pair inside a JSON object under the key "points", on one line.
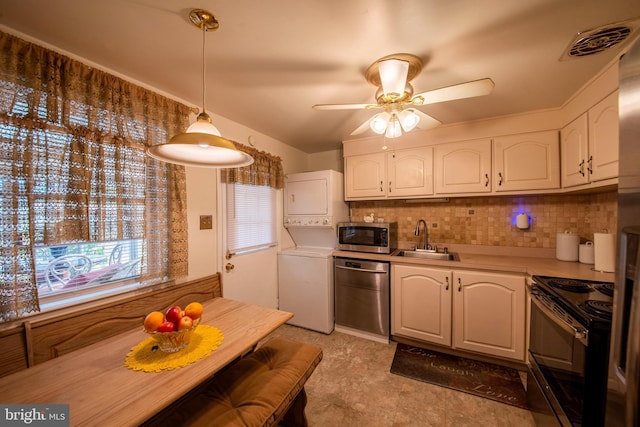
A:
{"points": [[463, 167], [421, 303], [574, 141], [410, 173], [489, 313], [603, 139], [528, 161], [365, 176]]}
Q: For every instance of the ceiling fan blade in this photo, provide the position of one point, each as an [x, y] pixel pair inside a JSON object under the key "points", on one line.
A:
{"points": [[363, 127], [393, 76], [344, 106], [426, 121], [459, 91]]}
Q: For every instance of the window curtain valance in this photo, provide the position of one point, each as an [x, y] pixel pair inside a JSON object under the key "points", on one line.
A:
{"points": [[265, 170], [73, 167]]}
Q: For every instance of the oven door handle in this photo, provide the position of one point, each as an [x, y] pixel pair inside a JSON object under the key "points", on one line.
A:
{"points": [[581, 335]]}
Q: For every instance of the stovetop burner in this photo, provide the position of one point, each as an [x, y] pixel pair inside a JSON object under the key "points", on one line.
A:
{"points": [[599, 308], [589, 301], [605, 288], [570, 285]]}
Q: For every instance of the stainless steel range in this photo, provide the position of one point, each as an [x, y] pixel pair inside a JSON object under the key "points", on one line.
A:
{"points": [[568, 350]]}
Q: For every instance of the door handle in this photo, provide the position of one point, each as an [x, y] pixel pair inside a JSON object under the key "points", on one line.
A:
{"points": [[229, 267], [459, 285], [486, 177], [446, 281], [500, 178], [581, 167], [590, 165]]}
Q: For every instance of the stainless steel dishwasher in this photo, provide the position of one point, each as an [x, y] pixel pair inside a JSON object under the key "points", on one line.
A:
{"points": [[362, 295]]}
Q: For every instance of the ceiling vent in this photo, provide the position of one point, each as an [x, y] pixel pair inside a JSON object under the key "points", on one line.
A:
{"points": [[599, 39]]}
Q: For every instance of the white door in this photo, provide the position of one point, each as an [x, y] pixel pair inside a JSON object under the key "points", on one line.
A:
{"points": [[252, 276]]}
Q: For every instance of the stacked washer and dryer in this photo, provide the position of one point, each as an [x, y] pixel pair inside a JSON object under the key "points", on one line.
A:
{"points": [[313, 205]]}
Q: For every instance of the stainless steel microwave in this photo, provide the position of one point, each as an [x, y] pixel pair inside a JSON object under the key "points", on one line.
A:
{"points": [[375, 237]]}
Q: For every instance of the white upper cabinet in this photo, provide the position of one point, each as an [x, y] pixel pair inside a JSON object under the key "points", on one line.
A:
{"points": [[529, 161], [463, 167], [410, 173], [365, 176], [575, 149], [604, 139], [397, 174], [590, 145]]}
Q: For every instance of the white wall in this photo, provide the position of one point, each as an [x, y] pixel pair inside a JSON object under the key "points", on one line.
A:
{"points": [[204, 259]]}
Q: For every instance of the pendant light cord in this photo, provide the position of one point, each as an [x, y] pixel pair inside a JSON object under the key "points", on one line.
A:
{"points": [[204, 68]]}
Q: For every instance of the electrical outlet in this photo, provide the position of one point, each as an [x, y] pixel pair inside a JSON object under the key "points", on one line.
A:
{"points": [[434, 225], [206, 222], [471, 212]]}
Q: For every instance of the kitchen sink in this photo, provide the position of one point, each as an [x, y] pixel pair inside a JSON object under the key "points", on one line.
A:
{"points": [[432, 255]]}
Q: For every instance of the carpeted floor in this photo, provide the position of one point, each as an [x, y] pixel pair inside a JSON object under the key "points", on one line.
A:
{"points": [[482, 379]]}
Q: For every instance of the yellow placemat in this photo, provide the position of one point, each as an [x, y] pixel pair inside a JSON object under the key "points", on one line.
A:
{"points": [[143, 357]]}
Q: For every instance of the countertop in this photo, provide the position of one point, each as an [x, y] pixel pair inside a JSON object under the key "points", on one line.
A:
{"points": [[498, 259]]}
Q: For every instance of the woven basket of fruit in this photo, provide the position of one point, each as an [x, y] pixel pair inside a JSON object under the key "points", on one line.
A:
{"points": [[173, 329]]}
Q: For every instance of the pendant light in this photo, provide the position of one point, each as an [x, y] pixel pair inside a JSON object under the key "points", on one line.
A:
{"points": [[201, 145]]}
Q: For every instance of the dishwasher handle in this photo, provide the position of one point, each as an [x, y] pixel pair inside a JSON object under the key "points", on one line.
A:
{"points": [[365, 270]]}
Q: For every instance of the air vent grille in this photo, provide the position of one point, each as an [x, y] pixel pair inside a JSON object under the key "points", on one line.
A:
{"points": [[599, 39]]}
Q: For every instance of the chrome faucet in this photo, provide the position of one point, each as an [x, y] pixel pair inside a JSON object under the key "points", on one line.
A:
{"points": [[417, 233]]}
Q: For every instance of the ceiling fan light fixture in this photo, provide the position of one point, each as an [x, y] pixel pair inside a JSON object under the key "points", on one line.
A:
{"points": [[394, 129], [201, 145], [393, 76], [379, 122], [408, 119]]}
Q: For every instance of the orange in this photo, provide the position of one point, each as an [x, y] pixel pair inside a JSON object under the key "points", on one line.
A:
{"points": [[193, 310], [153, 320]]}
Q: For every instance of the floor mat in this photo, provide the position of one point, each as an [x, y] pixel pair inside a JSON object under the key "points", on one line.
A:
{"points": [[482, 379]]}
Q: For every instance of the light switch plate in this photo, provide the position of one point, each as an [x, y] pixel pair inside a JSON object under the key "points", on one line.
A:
{"points": [[206, 222]]}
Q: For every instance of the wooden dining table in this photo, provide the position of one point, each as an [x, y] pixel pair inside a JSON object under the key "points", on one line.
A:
{"points": [[101, 390]]}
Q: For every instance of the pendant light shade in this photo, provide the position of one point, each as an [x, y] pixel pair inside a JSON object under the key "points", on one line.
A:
{"points": [[202, 144]]}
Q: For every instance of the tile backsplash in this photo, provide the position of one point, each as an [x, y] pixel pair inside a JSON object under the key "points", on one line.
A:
{"points": [[491, 220]]}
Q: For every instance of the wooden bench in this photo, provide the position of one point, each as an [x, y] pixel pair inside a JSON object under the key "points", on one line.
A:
{"points": [[265, 388]]}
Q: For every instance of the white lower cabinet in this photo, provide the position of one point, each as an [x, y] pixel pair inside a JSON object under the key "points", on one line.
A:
{"points": [[476, 311], [421, 303]]}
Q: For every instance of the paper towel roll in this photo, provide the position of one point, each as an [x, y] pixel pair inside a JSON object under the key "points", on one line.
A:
{"points": [[604, 252], [567, 246]]}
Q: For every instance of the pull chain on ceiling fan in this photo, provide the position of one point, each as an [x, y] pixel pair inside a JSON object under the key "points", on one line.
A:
{"points": [[392, 74]]}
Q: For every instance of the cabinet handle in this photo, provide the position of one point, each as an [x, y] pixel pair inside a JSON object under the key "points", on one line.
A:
{"points": [[381, 190], [581, 164], [459, 285], [500, 178], [486, 177], [590, 167], [389, 186], [446, 280]]}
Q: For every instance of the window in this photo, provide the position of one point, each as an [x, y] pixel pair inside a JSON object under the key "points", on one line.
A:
{"points": [[67, 268], [251, 217], [82, 207]]}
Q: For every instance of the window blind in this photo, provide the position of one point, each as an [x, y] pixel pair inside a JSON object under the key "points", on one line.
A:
{"points": [[251, 217]]}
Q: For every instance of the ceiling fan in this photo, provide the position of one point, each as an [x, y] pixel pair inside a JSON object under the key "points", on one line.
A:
{"points": [[392, 74]]}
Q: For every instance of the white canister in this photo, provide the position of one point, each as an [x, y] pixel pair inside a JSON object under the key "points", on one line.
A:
{"points": [[586, 253], [567, 246]]}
